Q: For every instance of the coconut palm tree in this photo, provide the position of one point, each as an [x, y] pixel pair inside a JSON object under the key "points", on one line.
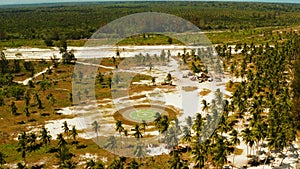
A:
{"points": [[65, 127], [63, 154], [175, 161], [119, 126], [171, 136], [247, 137], [198, 124], [219, 96], [27, 113], [22, 145], [27, 98], [153, 81], [133, 165], [144, 124], [74, 134], [116, 164], [137, 132], [187, 136], [220, 151], [139, 151], [45, 136], [234, 141], [61, 140], [199, 154], [91, 164], [163, 124], [111, 143], [189, 121], [2, 159], [13, 108], [96, 127], [157, 118], [205, 106]]}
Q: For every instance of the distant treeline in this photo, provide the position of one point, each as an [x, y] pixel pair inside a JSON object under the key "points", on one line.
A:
{"points": [[81, 20]]}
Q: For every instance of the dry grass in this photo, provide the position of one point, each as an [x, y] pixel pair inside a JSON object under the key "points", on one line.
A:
{"points": [[231, 88], [205, 92], [237, 151], [189, 88]]}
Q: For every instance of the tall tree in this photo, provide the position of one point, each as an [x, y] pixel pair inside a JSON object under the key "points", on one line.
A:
{"points": [[13, 108], [65, 127], [74, 133], [137, 132], [2, 159], [45, 136], [96, 127], [139, 151]]}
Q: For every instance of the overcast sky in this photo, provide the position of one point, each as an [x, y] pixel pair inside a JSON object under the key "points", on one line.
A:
{"points": [[6, 2]]}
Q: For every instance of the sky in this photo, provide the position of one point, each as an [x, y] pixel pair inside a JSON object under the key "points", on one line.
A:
{"points": [[10, 2]]}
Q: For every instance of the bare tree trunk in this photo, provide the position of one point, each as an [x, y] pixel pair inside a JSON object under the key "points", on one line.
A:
{"points": [[265, 161]]}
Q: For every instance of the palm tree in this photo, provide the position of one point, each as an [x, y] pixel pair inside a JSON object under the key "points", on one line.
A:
{"points": [[133, 165], [96, 127], [153, 81], [247, 137], [189, 121], [199, 154], [157, 118], [65, 127], [163, 124], [65, 158], [220, 151], [27, 98], [205, 106], [2, 159], [90, 164], [51, 99], [198, 124], [144, 124], [219, 96], [61, 141], [111, 143], [137, 132], [139, 151], [13, 108], [175, 161], [69, 164], [171, 136], [234, 141], [38, 100], [45, 136], [26, 111], [116, 164], [187, 136], [74, 134], [119, 126], [22, 145]]}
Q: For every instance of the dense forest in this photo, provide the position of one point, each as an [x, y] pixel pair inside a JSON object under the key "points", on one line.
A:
{"points": [[79, 21]]}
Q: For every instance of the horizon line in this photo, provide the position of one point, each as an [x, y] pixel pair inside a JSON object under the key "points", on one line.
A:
{"points": [[115, 1]]}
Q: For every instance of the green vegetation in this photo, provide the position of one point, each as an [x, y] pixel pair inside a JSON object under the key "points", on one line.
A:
{"points": [[265, 102], [47, 24], [149, 39]]}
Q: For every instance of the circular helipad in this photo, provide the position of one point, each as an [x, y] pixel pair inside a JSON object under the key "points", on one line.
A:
{"points": [[143, 114], [139, 113]]}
